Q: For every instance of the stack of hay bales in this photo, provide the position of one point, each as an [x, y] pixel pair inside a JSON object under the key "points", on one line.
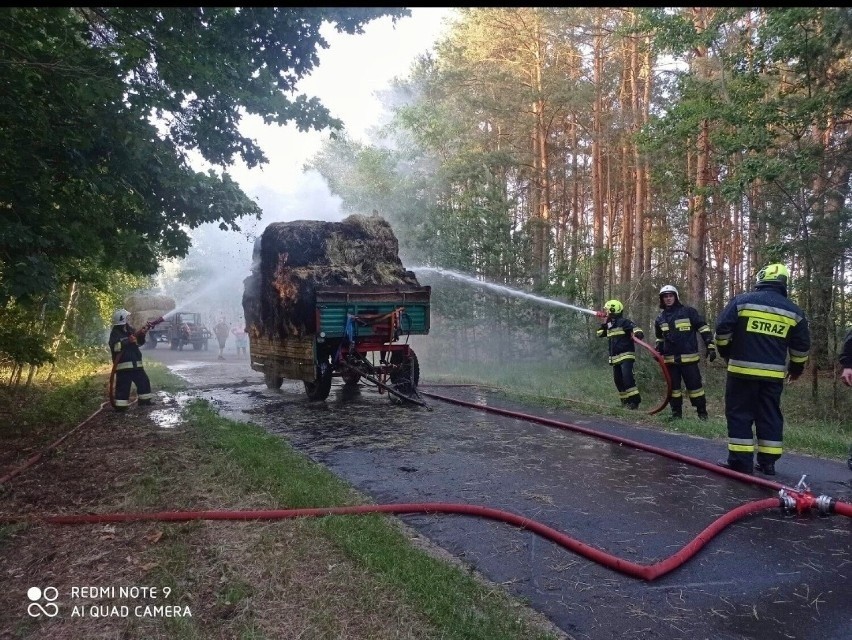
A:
{"points": [[293, 259], [145, 306]]}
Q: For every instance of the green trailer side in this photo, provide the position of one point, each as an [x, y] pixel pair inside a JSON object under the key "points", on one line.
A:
{"points": [[334, 305], [298, 357]]}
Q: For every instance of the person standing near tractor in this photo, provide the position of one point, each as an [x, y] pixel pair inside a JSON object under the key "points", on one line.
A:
{"points": [[622, 352], [124, 343], [755, 334], [222, 331], [676, 330], [241, 338]]}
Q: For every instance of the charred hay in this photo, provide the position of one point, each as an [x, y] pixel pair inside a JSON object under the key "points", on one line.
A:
{"points": [[293, 259]]}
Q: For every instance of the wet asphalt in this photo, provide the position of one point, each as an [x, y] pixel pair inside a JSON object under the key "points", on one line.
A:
{"points": [[768, 576]]}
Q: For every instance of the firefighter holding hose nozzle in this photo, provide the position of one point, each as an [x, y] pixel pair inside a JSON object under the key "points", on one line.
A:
{"points": [[622, 352], [124, 343]]}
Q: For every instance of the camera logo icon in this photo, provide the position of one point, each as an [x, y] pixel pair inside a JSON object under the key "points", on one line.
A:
{"points": [[36, 609]]}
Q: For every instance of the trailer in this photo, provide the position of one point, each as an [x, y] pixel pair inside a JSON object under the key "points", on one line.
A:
{"points": [[361, 333]]}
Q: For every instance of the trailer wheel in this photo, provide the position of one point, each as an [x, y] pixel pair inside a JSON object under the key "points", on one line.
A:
{"points": [[350, 378], [272, 381], [174, 345], [151, 342], [321, 387], [405, 374]]}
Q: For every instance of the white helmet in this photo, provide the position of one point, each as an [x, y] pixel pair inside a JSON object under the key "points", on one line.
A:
{"points": [[668, 288], [120, 316]]}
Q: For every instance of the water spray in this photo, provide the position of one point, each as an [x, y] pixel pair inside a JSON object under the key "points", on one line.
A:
{"points": [[556, 303], [499, 288]]}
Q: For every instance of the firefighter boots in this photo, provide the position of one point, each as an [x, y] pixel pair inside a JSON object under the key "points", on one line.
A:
{"points": [[766, 468]]}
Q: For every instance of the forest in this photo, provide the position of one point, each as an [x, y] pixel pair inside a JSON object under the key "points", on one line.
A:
{"points": [[577, 153]]}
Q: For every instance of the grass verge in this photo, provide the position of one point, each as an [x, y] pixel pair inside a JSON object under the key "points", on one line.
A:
{"points": [[450, 602]]}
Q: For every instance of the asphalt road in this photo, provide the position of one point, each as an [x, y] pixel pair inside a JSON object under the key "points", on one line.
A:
{"points": [[768, 576]]}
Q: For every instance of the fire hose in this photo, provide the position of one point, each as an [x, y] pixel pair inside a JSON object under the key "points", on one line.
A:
{"points": [[799, 501]]}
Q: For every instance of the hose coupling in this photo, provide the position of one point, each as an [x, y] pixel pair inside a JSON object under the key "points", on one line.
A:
{"points": [[798, 501], [825, 504], [788, 502]]}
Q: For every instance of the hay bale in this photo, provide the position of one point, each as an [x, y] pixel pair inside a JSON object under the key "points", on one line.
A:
{"points": [[139, 304], [138, 318], [294, 259]]}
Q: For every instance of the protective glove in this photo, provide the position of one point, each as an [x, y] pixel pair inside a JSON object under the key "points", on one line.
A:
{"points": [[711, 353], [132, 339]]}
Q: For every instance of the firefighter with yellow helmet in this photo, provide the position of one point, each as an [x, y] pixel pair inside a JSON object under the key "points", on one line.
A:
{"points": [[764, 337], [622, 352]]}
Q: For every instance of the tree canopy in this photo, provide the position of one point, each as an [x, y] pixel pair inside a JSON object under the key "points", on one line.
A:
{"points": [[100, 110], [100, 107]]}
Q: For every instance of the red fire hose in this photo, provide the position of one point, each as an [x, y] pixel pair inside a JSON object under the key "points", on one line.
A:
{"points": [[633, 569], [660, 361], [666, 375]]}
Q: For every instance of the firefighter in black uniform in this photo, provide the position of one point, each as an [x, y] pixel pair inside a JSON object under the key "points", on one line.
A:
{"points": [[124, 344], [622, 352], [676, 330], [755, 333]]}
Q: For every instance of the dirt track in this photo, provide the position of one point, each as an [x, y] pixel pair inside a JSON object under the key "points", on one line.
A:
{"points": [[769, 576]]}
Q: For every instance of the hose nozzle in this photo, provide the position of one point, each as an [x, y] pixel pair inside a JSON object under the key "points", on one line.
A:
{"points": [[149, 325]]}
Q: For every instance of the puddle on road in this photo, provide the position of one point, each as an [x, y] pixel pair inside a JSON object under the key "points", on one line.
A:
{"points": [[169, 417], [183, 365]]}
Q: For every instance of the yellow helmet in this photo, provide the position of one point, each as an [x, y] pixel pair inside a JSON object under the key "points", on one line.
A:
{"points": [[613, 306], [773, 273]]}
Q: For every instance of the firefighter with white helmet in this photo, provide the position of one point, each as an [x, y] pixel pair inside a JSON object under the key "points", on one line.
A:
{"points": [[676, 330], [124, 343], [764, 336], [622, 352]]}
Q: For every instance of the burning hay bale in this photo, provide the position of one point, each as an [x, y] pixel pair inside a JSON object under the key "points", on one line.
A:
{"points": [[294, 259]]}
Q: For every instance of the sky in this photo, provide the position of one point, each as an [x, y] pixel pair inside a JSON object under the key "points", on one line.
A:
{"points": [[350, 72]]}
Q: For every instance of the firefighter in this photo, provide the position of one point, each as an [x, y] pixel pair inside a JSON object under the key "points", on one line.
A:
{"points": [[755, 333], [676, 330], [124, 343], [622, 352]]}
